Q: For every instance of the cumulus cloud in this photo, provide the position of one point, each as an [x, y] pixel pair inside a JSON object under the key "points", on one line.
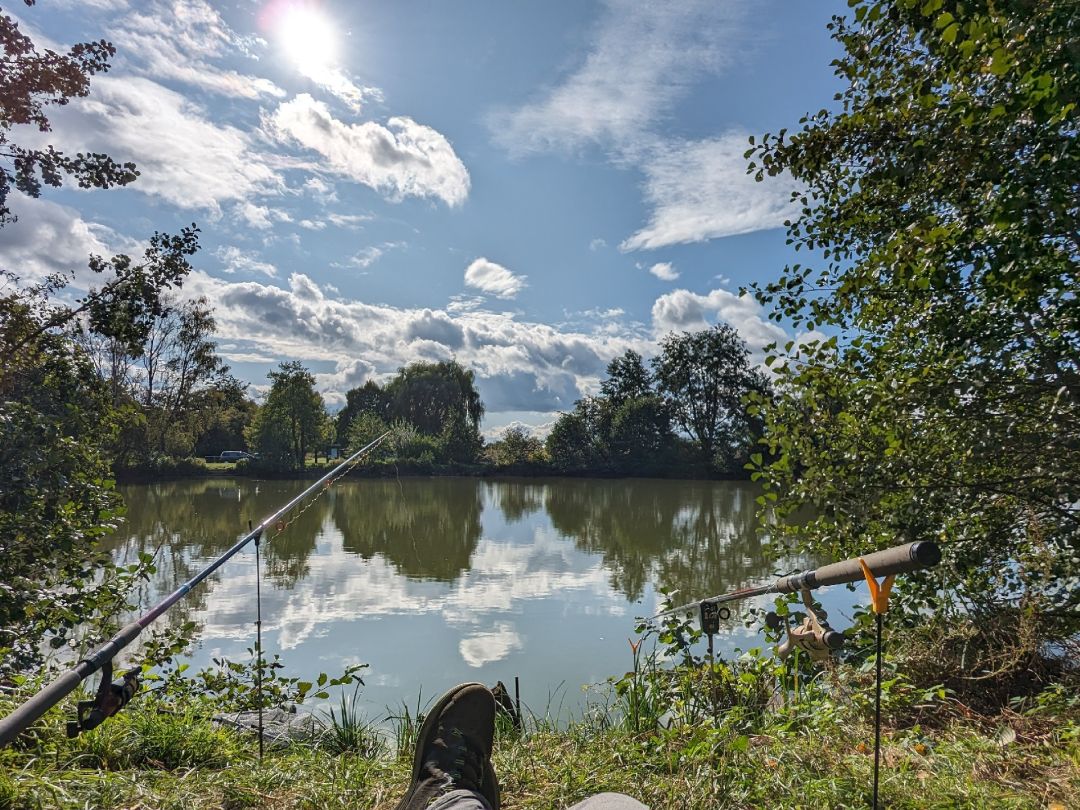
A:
{"points": [[643, 58], [494, 279], [401, 159], [436, 327], [664, 271], [520, 365], [182, 156], [700, 190], [684, 311]]}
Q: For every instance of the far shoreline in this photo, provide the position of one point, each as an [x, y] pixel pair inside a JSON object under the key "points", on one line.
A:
{"points": [[193, 472]]}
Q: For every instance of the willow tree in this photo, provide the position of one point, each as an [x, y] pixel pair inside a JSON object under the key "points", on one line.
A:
{"points": [[940, 216]]}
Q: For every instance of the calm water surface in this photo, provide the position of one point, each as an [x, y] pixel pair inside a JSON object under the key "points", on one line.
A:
{"points": [[437, 581]]}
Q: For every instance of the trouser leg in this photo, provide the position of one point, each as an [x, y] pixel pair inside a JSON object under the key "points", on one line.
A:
{"points": [[460, 800], [609, 801]]}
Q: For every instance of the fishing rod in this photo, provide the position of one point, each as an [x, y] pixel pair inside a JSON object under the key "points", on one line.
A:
{"points": [[896, 560], [111, 697], [814, 636]]}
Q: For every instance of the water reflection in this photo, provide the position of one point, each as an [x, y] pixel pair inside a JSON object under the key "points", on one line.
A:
{"points": [[426, 529], [512, 577], [689, 537]]}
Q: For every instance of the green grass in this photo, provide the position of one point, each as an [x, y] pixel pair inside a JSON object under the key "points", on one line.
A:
{"points": [[802, 756]]}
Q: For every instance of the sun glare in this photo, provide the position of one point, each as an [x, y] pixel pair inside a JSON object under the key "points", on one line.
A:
{"points": [[308, 38]]}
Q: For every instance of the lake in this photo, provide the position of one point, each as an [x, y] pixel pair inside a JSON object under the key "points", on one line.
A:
{"points": [[435, 581]]}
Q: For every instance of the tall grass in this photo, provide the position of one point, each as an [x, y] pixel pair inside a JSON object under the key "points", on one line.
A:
{"points": [[406, 726], [349, 731]]}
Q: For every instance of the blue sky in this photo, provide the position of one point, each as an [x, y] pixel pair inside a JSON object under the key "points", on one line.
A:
{"points": [[532, 188]]}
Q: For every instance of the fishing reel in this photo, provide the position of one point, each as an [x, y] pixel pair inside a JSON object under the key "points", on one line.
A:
{"points": [[111, 697], [813, 636]]}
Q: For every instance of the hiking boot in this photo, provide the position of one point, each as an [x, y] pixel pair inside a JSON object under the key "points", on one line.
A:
{"points": [[453, 749]]}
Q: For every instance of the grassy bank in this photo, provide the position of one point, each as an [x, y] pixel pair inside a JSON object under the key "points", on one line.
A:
{"points": [[801, 755]]}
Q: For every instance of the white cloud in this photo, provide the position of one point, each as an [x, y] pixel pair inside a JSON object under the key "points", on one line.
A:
{"points": [[540, 431], [664, 271], [643, 58], [235, 260], [604, 314], [50, 238], [321, 190], [597, 244], [489, 646], [260, 217], [337, 83], [401, 159], [366, 256], [700, 190], [492, 278], [684, 311], [520, 365], [177, 41], [182, 156], [350, 221]]}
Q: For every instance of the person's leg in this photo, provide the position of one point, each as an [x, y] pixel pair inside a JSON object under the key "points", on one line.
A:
{"points": [[452, 759], [609, 801], [460, 800]]}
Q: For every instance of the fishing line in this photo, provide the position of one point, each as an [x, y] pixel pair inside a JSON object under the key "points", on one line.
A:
{"points": [[258, 640]]}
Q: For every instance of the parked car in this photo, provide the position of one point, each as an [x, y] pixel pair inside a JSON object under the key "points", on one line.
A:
{"points": [[231, 456]]}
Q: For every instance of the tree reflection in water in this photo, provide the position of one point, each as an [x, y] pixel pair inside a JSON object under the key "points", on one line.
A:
{"points": [[694, 538], [426, 528]]}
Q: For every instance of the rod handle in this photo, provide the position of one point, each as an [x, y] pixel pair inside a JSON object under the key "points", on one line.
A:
{"points": [[896, 560]]}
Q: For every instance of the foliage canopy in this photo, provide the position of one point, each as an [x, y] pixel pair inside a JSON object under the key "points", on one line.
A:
{"points": [[940, 210]]}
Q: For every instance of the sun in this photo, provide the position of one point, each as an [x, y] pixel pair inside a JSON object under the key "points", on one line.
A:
{"points": [[308, 38]]}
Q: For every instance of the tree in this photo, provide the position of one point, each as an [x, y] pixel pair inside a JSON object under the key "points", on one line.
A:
{"points": [[30, 81], [516, 446], [941, 196], [705, 378], [364, 429], [161, 378], [224, 412], [440, 399], [578, 440], [640, 434], [56, 416], [627, 378], [367, 398], [293, 418]]}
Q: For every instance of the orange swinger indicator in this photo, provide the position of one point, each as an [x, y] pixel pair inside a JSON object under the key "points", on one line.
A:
{"points": [[879, 594]]}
